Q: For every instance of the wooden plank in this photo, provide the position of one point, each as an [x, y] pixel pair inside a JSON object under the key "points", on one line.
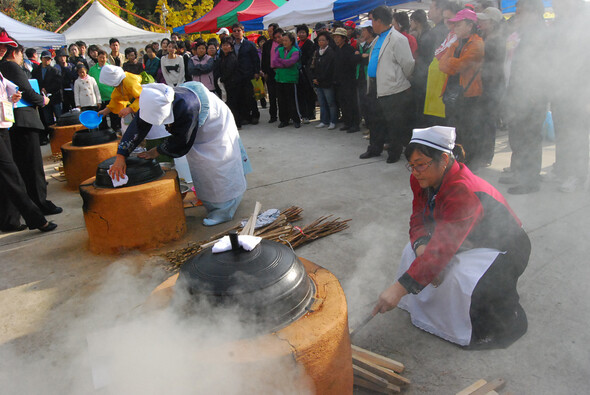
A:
{"points": [[390, 389], [251, 224], [378, 359], [380, 371], [365, 374], [490, 386], [478, 384]]}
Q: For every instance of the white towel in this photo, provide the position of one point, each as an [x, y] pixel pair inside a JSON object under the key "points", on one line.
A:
{"points": [[246, 242], [122, 181]]}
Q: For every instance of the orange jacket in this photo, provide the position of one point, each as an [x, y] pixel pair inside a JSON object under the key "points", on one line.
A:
{"points": [[468, 63]]}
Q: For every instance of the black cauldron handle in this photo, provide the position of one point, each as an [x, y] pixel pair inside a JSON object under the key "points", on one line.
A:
{"points": [[233, 237]]}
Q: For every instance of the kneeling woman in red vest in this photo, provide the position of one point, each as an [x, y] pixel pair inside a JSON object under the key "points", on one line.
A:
{"points": [[458, 274]]}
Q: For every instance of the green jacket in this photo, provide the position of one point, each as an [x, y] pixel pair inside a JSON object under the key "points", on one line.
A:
{"points": [[105, 90], [288, 70]]}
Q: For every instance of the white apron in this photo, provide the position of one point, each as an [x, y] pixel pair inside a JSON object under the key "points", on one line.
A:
{"points": [[444, 310], [215, 159]]}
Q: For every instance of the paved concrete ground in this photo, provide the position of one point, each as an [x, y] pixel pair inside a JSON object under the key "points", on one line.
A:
{"points": [[46, 280]]}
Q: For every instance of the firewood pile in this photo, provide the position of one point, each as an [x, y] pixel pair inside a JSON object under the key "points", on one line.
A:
{"points": [[281, 230], [376, 372]]}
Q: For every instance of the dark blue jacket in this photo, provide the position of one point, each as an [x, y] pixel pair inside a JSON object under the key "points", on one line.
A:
{"points": [[248, 60]]}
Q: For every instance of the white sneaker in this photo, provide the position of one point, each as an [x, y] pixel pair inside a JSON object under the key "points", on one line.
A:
{"points": [[332, 126], [304, 120], [321, 125], [571, 184]]}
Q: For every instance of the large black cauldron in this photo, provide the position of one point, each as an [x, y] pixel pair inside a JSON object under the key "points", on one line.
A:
{"points": [[139, 171], [88, 137], [269, 284]]}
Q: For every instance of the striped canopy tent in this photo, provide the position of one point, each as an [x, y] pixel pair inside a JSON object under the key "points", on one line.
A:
{"points": [[227, 12], [295, 12]]}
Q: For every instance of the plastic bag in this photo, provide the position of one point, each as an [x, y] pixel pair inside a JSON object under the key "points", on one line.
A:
{"points": [[259, 92], [433, 104]]}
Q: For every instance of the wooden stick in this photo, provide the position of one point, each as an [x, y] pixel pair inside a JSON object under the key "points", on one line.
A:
{"points": [[382, 372], [478, 384], [390, 389], [377, 359], [373, 378], [490, 386], [251, 224]]}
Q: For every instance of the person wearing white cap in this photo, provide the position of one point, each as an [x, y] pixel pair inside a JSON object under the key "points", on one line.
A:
{"points": [[458, 274], [222, 33], [202, 127]]}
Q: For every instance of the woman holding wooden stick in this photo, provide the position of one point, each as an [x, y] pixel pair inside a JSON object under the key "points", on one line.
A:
{"points": [[458, 274]]}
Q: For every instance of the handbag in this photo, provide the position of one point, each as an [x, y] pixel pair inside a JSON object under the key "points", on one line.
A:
{"points": [[454, 94]]}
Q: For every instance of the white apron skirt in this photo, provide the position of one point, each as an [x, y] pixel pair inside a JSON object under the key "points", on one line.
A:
{"points": [[444, 310]]}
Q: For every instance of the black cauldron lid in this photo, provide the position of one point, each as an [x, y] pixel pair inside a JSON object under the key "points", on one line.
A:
{"points": [[139, 171], [269, 284], [69, 118], [89, 137]]}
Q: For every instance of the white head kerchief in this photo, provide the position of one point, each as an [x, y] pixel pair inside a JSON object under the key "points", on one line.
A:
{"points": [[440, 137], [155, 104], [111, 75]]}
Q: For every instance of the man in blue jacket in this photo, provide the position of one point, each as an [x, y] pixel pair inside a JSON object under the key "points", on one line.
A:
{"points": [[248, 69]]}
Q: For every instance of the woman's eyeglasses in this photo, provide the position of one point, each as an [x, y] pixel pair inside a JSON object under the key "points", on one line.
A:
{"points": [[419, 168]]}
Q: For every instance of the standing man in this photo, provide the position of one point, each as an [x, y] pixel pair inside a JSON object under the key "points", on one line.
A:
{"points": [[222, 33], [248, 69], [50, 83], [83, 53], [268, 50], [105, 91], [390, 66], [115, 58]]}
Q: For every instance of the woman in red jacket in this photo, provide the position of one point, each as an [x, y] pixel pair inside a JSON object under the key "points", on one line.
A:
{"points": [[458, 274]]}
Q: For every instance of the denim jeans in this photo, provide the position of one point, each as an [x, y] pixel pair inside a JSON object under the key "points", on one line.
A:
{"points": [[328, 109]]}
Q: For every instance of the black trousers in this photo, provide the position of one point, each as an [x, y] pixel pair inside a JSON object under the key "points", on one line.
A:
{"points": [[525, 137], [495, 310], [467, 121], [287, 98], [248, 106], [306, 96], [233, 102], [395, 128], [346, 96], [570, 120], [271, 86], [27, 156], [14, 200]]}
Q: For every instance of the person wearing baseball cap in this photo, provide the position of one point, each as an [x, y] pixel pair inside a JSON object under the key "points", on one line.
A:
{"points": [[458, 274], [345, 81], [350, 27], [50, 83], [492, 78], [462, 63], [223, 32]]}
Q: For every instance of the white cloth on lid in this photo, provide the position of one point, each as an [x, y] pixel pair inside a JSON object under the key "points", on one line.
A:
{"points": [[246, 242], [155, 104], [111, 75], [441, 138]]}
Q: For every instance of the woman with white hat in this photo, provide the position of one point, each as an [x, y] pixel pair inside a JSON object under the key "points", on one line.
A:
{"points": [[458, 274], [202, 127]]}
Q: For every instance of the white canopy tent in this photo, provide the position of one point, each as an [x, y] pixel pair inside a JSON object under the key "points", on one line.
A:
{"points": [[98, 25], [29, 36]]}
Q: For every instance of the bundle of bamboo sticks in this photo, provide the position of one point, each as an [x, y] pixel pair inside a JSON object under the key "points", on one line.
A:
{"points": [[281, 230], [376, 372]]}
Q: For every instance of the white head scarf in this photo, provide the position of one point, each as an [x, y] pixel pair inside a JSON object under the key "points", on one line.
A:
{"points": [[111, 75], [440, 137], [155, 103]]}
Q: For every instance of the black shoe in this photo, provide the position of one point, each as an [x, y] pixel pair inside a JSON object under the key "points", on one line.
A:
{"points": [[393, 158], [343, 128], [17, 228], [272, 120], [508, 179], [52, 211], [353, 130], [254, 121], [43, 141], [283, 124], [297, 125], [368, 155], [523, 189], [48, 227]]}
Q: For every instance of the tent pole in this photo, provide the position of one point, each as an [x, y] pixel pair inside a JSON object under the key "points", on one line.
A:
{"points": [[70, 18], [129, 12]]}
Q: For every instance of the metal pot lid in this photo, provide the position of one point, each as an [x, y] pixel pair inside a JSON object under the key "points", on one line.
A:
{"points": [[269, 284], [139, 171], [89, 137]]}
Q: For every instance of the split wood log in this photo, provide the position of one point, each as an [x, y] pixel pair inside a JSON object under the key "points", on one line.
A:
{"points": [[490, 386], [468, 390], [390, 389], [373, 378], [377, 359], [382, 372]]}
